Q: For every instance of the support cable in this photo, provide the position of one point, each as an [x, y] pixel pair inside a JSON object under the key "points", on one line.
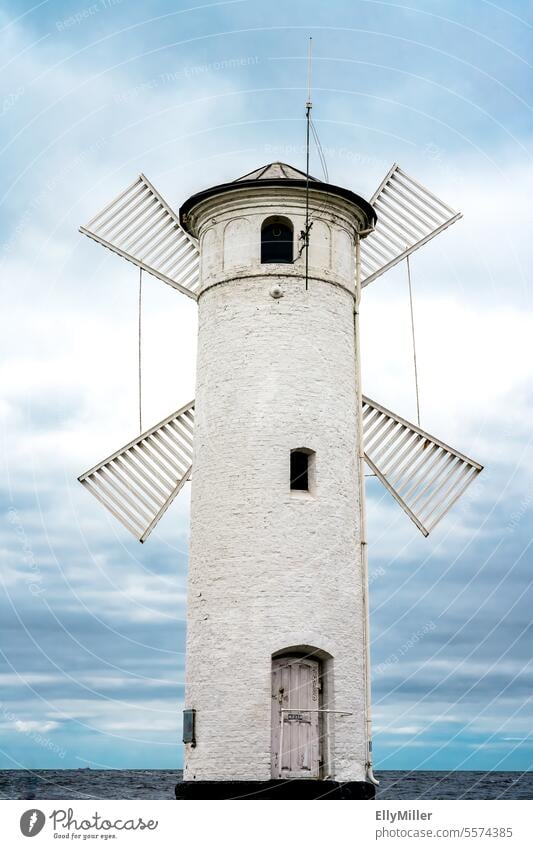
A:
{"points": [[140, 349], [320, 209], [320, 152], [414, 339]]}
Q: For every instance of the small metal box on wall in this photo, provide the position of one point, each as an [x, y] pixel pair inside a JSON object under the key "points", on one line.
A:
{"points": [[189, 726]]}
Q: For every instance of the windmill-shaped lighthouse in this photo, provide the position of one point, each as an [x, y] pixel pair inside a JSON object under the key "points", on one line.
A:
{"points": [[278, 678]]}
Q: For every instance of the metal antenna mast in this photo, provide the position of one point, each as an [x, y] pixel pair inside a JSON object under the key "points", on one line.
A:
{"points": [[308, 107]]}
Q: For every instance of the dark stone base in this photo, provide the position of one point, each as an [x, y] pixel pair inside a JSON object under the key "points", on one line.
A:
{"points": [[275, 789]]}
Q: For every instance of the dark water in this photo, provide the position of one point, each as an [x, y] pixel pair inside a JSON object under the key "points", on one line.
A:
{"points": [[159, 784]]}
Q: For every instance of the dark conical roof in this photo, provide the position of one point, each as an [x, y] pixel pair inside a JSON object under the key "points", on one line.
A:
{"points": [[275, 171], [274, 174]]}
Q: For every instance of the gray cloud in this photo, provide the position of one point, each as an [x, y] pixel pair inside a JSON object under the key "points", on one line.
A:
{"points": [[91, 624]]}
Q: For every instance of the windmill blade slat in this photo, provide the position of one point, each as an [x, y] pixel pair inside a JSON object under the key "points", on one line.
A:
{"points": [[182, 442], [164, 457], [454, 496], [424, 455], [140, 241], [166, 473], [366, 263], [122, 218], [138, 482], [115, 500], [399, 223], [184, 265], [408, 443], [136, 477], [124, 494], [171, 498], [409, 215], [125, 485], [427, 197], [413, 468], [152, 471], [184, 426], [392, 249], [389, 456], [426, 511], [395, 193], [391, 445], [376, 444], [381, 247], [170, 448], [170, 255], [164, 249], [139, 472], [444, 463], [136, 223], [412, 198], [143, 242], [439, 494], [146, 209], [370, 415], [373, 426], [115, 206], [161, 245], [116, 513], [367, 268], [400, 462], [435, 474]]}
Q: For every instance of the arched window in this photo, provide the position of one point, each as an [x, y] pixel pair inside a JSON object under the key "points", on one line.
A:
{"points": [[277, 240]]}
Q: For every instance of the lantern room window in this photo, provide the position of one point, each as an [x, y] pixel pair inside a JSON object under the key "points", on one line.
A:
{"points": [[277, 237]]}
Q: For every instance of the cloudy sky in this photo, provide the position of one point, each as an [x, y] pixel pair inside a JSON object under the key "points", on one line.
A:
{"points": [[92, 624]]}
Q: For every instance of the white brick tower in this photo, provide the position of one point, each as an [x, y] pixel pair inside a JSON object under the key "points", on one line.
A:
{"points": [[277, 700], [277, 614]]}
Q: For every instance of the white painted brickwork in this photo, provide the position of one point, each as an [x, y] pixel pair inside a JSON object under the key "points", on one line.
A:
{"points": [[270, 569]]}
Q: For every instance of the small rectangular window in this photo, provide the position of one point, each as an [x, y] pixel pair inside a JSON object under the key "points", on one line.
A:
{"points": [[300, 470]]}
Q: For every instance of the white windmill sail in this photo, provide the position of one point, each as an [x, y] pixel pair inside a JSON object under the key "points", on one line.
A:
{"points": [[408, 216], [141, 227], [425, 476], [138, 482]]}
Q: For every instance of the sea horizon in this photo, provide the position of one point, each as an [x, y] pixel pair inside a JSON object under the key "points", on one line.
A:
{"points": [[88, 783]]}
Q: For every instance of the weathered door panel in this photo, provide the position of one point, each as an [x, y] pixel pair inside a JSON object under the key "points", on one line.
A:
{"points": [[295, 717]]}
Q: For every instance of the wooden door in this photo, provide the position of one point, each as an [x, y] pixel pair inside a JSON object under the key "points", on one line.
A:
{"points": [[295, 717]]}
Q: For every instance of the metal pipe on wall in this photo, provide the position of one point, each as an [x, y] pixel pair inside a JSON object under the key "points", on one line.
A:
{"points": [[362, 516]]}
